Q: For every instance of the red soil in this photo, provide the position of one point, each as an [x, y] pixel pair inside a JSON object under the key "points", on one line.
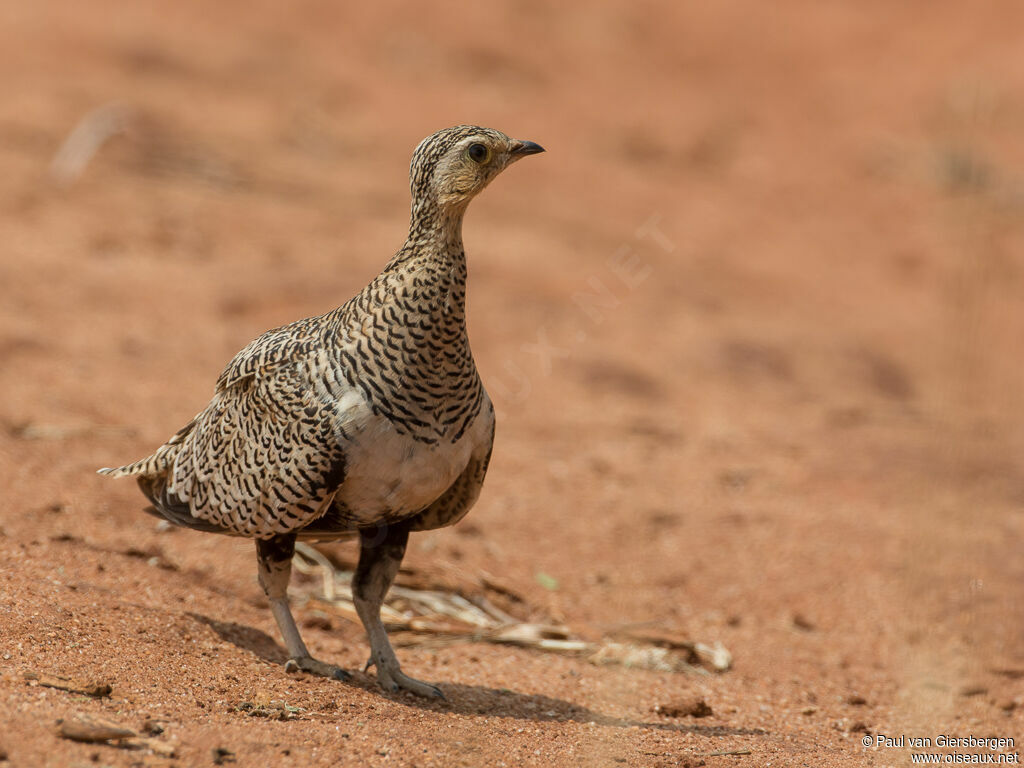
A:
{"points": [[788, 417]]}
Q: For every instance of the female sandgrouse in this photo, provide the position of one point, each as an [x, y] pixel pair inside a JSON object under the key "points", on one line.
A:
{"points": [[367, 421]]}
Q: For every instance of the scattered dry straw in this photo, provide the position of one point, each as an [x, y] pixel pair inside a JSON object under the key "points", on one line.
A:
{"points": [[452, 607]]}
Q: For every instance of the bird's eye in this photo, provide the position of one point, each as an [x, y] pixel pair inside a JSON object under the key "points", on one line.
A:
{"points": [[479, 153]]}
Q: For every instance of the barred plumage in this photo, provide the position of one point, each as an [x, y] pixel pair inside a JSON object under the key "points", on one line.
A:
{"points": [[369, 420]]}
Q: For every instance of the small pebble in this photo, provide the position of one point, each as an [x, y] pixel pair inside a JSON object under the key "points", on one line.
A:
{"points": [[692, 706], [152, 727], [801, 622]]}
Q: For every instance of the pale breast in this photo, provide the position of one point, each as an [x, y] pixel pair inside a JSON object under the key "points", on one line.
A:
{"points": [[389, 474]]}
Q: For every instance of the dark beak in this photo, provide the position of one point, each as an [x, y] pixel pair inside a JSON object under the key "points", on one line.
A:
{"points": [[524, 148]]}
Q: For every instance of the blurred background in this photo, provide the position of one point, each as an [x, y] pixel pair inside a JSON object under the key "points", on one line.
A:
{"points": [[753, 324]]}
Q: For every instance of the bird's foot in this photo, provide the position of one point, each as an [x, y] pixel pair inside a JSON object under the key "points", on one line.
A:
{"points": [[392, 679], [315, 667]]}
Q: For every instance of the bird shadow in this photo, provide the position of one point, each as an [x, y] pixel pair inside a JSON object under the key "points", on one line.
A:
{"points": [[476, 700], [473, 700], [250, 639]]}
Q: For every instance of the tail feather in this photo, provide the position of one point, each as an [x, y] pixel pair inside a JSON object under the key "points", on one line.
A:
{"points": [[125, 471], [150, 465], [151, 475], [155, 464]]}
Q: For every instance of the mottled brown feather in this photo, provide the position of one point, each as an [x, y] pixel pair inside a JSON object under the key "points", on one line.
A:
{"points": [[287, 442]]}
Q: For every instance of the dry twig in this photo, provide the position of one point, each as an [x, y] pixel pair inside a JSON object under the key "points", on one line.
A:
{"points": [[442, 616]]}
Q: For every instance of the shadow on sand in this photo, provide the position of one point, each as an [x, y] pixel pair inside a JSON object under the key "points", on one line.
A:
{"points": [[469, 699]]}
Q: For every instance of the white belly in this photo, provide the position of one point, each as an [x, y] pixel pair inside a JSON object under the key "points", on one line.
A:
{"points": [[389, 475]]}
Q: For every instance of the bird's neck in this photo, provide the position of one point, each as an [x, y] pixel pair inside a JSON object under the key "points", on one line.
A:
{"points": [[433, 225], [434, 246], [431, 268], [414, 315]]}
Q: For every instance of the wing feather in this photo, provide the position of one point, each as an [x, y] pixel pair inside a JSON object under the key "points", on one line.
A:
{"points": [[264, 456]]}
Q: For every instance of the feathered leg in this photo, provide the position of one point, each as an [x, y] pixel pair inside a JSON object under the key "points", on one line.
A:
{"points": [[275, 569], [380, 554]]}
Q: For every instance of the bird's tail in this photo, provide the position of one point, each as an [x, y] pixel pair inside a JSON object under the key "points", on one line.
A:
{"points": [[155, 464], [146, 466]]}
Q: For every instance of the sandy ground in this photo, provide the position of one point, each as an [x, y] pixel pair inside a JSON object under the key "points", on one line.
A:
{"points": [[753, 327]]}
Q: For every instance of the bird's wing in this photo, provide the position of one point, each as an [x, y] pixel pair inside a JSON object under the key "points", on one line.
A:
{"points": [[276, 347], [263, 457], [454, 503], [259, 359]]}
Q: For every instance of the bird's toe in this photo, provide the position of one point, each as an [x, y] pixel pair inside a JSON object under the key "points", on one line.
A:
{"points": [[315, 667], [395, 680]]}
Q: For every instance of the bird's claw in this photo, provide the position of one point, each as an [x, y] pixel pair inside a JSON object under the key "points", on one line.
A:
{"points": [[394, 680], [315, 667]]}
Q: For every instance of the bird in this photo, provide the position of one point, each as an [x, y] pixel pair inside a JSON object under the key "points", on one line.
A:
{"points": [[369, 421]]}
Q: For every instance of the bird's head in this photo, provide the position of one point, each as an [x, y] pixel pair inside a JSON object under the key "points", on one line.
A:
{"points": [[450, 167]]}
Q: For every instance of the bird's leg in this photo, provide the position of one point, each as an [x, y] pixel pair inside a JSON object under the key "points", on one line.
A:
{"points": [[380, 554], [275, 569]]}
